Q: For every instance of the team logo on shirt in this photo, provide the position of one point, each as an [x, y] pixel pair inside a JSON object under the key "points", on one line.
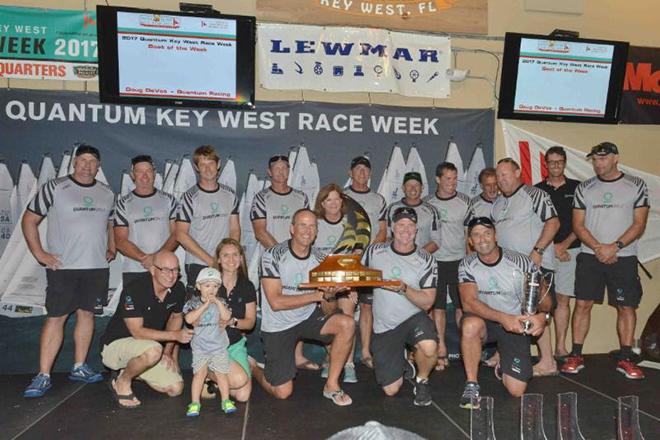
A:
{"points": [[297, 279], [331, 240], [146, 211], [395, 272], [493, 284], [607, 197], [128, 304], [215, 207], [284, 209], [87, 204], [443, 214]]}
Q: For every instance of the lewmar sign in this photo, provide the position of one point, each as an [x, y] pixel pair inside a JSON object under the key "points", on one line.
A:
{"points": [[640, 101], [48, 44], [341, 59]]}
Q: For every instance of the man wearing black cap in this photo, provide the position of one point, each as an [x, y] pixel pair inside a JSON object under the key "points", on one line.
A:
{"points": [[400, 319], [374, 204], [491, 305], [609, 216], [271, 214], [453, 209], [144, 221], [428, 219], [80, 245]]}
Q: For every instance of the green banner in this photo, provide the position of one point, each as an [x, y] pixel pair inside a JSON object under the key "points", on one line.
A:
{"points": [[48, 34]]}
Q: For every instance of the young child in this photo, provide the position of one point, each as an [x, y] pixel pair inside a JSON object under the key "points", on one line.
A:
{"points": [[206, 312]]}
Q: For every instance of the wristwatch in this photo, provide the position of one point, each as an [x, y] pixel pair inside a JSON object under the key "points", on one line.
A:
{"points": [[620, 245], [539, 250], [234, 323]]}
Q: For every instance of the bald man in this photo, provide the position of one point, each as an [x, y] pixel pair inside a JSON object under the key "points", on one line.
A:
{"points": [[149, 313]]}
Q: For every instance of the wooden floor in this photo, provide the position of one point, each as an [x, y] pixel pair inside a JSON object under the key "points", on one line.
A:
{"points": [[71, 410]]}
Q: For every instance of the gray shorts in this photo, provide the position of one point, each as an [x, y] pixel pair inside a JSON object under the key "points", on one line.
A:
{"points": [[217, 362], [565, 274]]}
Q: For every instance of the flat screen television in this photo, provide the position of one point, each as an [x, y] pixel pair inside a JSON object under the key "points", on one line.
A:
{"points": [[561, 79], [175, 58]]}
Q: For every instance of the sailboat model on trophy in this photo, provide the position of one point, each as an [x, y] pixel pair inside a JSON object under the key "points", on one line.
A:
{"points": [[342, 268]]}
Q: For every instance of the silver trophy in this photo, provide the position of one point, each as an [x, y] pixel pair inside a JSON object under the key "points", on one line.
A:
{"points": [[528, 288]]}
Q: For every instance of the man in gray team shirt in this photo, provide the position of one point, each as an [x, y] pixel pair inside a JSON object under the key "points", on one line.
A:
{"points": [[208, 213], [609, 215], [290, 313], [400, 318], [374, 204], [144, 221], [271, 213], [482, 205], [491, 295], [452, 207], [526, 222], [80, 245]]}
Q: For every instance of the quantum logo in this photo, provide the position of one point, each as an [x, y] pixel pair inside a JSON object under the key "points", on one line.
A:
{"points": [[88, 201], [607, 197]]}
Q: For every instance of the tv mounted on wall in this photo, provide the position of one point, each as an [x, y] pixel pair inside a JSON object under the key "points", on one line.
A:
{"points": [[561, 78], [201, 59]]}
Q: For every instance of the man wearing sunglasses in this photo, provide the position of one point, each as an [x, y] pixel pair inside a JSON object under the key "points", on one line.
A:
{"points": [[144, 221], [492, 311], [149, 314]]}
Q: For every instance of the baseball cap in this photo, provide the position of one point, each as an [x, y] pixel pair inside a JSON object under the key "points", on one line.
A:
{"points": [[480, 221], [603, 149], [412, 175], [84, 148], [360, 160], [277, 158], [209, 274], [403, 212]]}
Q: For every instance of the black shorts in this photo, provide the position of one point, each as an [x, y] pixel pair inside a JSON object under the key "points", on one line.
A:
{"points": [[447, 284], [388, 347], [129, 277], [366, 295], [279, 347], [192, 270], [68, 290], [621, 279], [514, 349]]}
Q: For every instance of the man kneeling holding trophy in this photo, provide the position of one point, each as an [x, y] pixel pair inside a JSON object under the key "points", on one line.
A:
{"points": [[504, 299]]}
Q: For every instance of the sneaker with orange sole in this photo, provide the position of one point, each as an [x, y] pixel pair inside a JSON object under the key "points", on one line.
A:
{"points": [[629, 369], [573, 365]]}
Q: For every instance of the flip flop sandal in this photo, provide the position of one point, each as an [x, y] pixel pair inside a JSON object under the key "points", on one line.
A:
{"points": [[308, 365], [337, 397], [119, 397], [539, 373]]}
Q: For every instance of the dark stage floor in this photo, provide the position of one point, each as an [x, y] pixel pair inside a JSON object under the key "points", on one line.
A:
{"points": [[77, 411]]}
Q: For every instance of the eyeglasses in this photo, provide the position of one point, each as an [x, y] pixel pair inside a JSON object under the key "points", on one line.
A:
{"points": [[555, 163], [278, 157], [484, 221], [168, 270]]}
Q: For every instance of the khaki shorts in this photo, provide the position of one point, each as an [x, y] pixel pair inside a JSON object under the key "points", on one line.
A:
{"points": [[117, 355]]}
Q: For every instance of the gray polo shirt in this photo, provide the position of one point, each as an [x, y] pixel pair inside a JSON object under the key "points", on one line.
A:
{"points": [[609, 207], [479, 207], [373, 203], [278, 209], [209, 337], [428, 222], [148, 221], [519, 220], [500, 284], [417, 269], [208, 213], [78, 218], [328, 235], [281, 263], [453, 211]]}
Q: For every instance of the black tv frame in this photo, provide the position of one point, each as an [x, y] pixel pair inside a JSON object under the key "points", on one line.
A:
{"points": [[109, 65], [510, 77]]}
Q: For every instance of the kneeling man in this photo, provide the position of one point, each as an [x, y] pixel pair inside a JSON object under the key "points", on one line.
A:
{"points": [[492, 307], [400, 313], [148, 315]]}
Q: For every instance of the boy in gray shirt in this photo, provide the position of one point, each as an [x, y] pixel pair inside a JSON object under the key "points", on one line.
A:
{"points": [[208, 314]]}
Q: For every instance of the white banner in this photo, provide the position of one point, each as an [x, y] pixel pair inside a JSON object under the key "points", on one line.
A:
{"points": [[528, 150], [345, 59]]}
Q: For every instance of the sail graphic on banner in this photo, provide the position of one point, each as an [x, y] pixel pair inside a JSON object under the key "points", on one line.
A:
{"points": [[248, 240], [46, 170], [25, 184], [158, 181], [166, 168], [292, 160], [63, 169], [304, 176], [170, 178], [414, 163], [454, 157], [477, 164], [127, 184], [7, 220], [390, 187], [228, 174], [185, 178], [528, 150]]}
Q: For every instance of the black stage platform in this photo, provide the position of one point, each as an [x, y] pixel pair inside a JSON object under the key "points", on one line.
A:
{"points": [[78, 411]]}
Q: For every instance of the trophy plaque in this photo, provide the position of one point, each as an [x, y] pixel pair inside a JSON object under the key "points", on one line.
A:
{"points": [[340, 269]]}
